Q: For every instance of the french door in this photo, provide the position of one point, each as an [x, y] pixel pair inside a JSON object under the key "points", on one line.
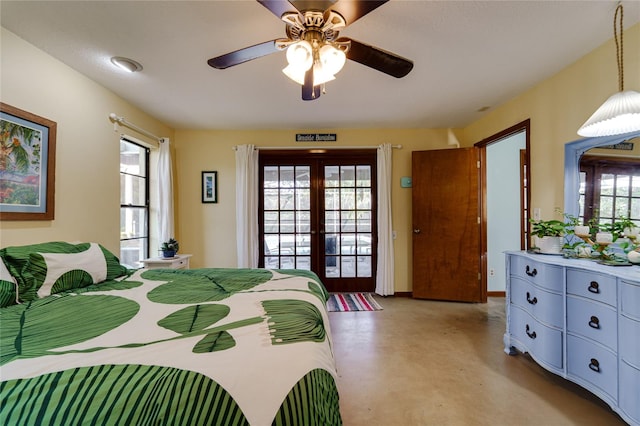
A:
{"points": [[318, 213]]}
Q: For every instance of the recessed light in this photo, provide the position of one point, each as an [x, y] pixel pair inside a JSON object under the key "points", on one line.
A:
{"points": [[126, 64]]}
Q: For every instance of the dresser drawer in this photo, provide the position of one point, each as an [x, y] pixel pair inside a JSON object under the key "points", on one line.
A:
{"points": [[592, 363], [542, 342], [630, 342], [543, 275], [629, 399], [543, 305], [630, 299], [593, 320], [592, 285]]}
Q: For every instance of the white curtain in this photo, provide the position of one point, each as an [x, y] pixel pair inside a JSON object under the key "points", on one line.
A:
{"points": [[247, 206], [165, 192], [385, 268]]}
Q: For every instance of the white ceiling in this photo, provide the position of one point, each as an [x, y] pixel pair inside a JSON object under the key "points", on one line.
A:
{"points": [[467, 55]]}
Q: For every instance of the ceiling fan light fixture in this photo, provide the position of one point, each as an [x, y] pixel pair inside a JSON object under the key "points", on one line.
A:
{"points": [[294, 73], [332, 59], [126, 64], [619, 114], [321, 75], [300, 55]]}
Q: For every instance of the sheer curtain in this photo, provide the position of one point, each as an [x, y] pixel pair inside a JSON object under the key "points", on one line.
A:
{"points": [[165, 192], [385, 268], [247, 206]]}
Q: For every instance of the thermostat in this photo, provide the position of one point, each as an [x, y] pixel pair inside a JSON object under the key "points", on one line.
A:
{"points": [[405, 182]]}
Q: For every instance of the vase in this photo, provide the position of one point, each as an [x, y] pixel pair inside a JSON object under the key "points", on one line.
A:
{"points": [[167, 254], [548, 245]]}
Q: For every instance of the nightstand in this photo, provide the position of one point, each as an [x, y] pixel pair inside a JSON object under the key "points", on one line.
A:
{"points": [[180, 261]]}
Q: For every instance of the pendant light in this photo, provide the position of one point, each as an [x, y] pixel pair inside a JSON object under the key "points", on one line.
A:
{"points": [[621, 112]]}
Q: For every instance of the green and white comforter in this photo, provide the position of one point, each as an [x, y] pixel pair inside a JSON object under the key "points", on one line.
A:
{"points": [[191, 347]]}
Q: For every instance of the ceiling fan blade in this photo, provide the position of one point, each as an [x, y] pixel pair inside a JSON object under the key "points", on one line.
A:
{"points": [[309, 91], [376, 58], [278, 7], [243, 55], [352, 10]]}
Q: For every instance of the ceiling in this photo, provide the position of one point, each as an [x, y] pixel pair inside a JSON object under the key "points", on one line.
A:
{"points": [[468, 55]]}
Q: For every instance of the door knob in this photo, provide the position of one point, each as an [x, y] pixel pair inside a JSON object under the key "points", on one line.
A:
{"points": [[416, 231]]}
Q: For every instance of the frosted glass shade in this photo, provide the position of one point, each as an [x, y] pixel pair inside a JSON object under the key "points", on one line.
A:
{"points": [[619, 114]]}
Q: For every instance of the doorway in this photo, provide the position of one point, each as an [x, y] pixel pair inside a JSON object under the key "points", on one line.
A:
{"points": [[317, 212]]}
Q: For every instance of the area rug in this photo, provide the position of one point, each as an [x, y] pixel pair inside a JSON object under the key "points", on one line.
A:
{"points": [[349, 302]]}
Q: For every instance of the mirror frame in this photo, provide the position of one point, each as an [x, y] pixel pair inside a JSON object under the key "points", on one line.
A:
{"points": [[572, 153]]}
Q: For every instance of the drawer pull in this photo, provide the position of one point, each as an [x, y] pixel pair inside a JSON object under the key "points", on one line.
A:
{"points": [[594, 365], [531, 334], [530, 300], [531, 273], [594, 322], [594, 287]]}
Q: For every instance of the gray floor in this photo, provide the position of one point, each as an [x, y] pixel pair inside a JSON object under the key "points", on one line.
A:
{"points": [[422, 362]]}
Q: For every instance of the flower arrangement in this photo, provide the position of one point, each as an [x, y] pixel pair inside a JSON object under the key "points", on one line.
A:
{"points": [[169, 248]]}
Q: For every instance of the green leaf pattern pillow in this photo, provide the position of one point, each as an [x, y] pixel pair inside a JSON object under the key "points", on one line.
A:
{"points": [[7, 287], [56, 272]]}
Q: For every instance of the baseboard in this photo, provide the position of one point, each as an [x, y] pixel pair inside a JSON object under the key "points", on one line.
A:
{"points": [[496, 294], [403, 294]]}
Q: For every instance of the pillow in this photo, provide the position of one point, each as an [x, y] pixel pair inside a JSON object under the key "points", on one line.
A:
{"points": [[56, 272], [33, 266], [7, 287]]}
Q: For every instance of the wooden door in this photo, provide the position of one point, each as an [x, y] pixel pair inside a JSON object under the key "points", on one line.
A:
{"points": [[318, 213], [446, 225]]}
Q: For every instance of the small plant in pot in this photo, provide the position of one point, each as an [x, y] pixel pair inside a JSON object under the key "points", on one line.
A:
{"points": [[548, 235], [169, 248]]}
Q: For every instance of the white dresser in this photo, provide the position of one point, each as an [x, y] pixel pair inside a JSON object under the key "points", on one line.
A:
{"points": [[580, 320]]}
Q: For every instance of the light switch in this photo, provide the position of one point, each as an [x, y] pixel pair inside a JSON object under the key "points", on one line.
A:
{"points": [[405, 182]]}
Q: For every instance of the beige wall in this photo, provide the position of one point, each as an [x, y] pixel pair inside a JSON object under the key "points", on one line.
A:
{"points": [[557, 107], [208, 230], [87, 186], [87, 194]]}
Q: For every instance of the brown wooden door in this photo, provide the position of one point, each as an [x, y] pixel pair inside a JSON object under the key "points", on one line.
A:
{"points": [[318, 213], [446, 225]]}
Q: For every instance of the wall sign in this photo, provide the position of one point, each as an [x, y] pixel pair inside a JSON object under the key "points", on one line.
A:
{"points": [[316, 137]]}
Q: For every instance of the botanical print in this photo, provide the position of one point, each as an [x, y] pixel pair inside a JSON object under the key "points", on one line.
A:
{"points": [[20, 164]]}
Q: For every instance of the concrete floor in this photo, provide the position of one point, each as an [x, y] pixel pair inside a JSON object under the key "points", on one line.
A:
{"points": [[421, 362]]}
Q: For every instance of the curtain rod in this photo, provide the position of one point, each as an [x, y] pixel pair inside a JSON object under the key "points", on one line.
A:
{"points": [[123, 122], [285, 148]]}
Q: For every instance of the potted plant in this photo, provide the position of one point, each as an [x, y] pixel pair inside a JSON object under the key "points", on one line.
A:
{"points": [[548, 235], [169, 248]]}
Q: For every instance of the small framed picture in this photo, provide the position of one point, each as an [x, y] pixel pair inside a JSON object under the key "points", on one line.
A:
{"points": [[209, 187]]}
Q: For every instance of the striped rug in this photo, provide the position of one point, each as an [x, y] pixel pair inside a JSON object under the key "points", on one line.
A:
{"points": [[348, 302]]}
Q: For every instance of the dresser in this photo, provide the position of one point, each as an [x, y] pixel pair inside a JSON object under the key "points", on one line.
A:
{"points": [[179, 261], [580, 320]]}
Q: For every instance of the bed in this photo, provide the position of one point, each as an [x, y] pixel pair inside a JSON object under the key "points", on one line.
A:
{"points": [[84, 340]]}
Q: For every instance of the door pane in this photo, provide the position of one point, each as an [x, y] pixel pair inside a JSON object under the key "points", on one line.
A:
{"points": [[287, 217], [348, 221]]}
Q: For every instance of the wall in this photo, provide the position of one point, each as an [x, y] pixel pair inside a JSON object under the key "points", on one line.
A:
{"points": [[87, 194], [208, 230], [557, 107], [503, 206]]}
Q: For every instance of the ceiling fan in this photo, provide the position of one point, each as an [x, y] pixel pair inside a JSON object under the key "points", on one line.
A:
{"points": [[315, 51]]}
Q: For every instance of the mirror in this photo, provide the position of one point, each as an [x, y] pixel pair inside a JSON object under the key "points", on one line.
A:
{"points": [[573, 151]]}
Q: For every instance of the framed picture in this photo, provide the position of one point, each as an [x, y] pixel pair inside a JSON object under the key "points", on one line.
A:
{"points": [[27, 165], [209, 187]]}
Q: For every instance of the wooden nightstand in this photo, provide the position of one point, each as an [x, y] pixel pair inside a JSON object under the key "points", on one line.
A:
{"points": [[180, 261]]}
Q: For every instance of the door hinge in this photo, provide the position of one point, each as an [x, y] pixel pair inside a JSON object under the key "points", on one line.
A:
{"points": [[479, 276], [479, 219], [478, 164]]}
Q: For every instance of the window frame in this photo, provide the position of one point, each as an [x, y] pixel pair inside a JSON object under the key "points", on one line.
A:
{"points": [[147, 204]]}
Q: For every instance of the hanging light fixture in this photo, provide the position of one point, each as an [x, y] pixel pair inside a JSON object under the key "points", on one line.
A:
{"points": [[621, 112], [326, 59]]}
